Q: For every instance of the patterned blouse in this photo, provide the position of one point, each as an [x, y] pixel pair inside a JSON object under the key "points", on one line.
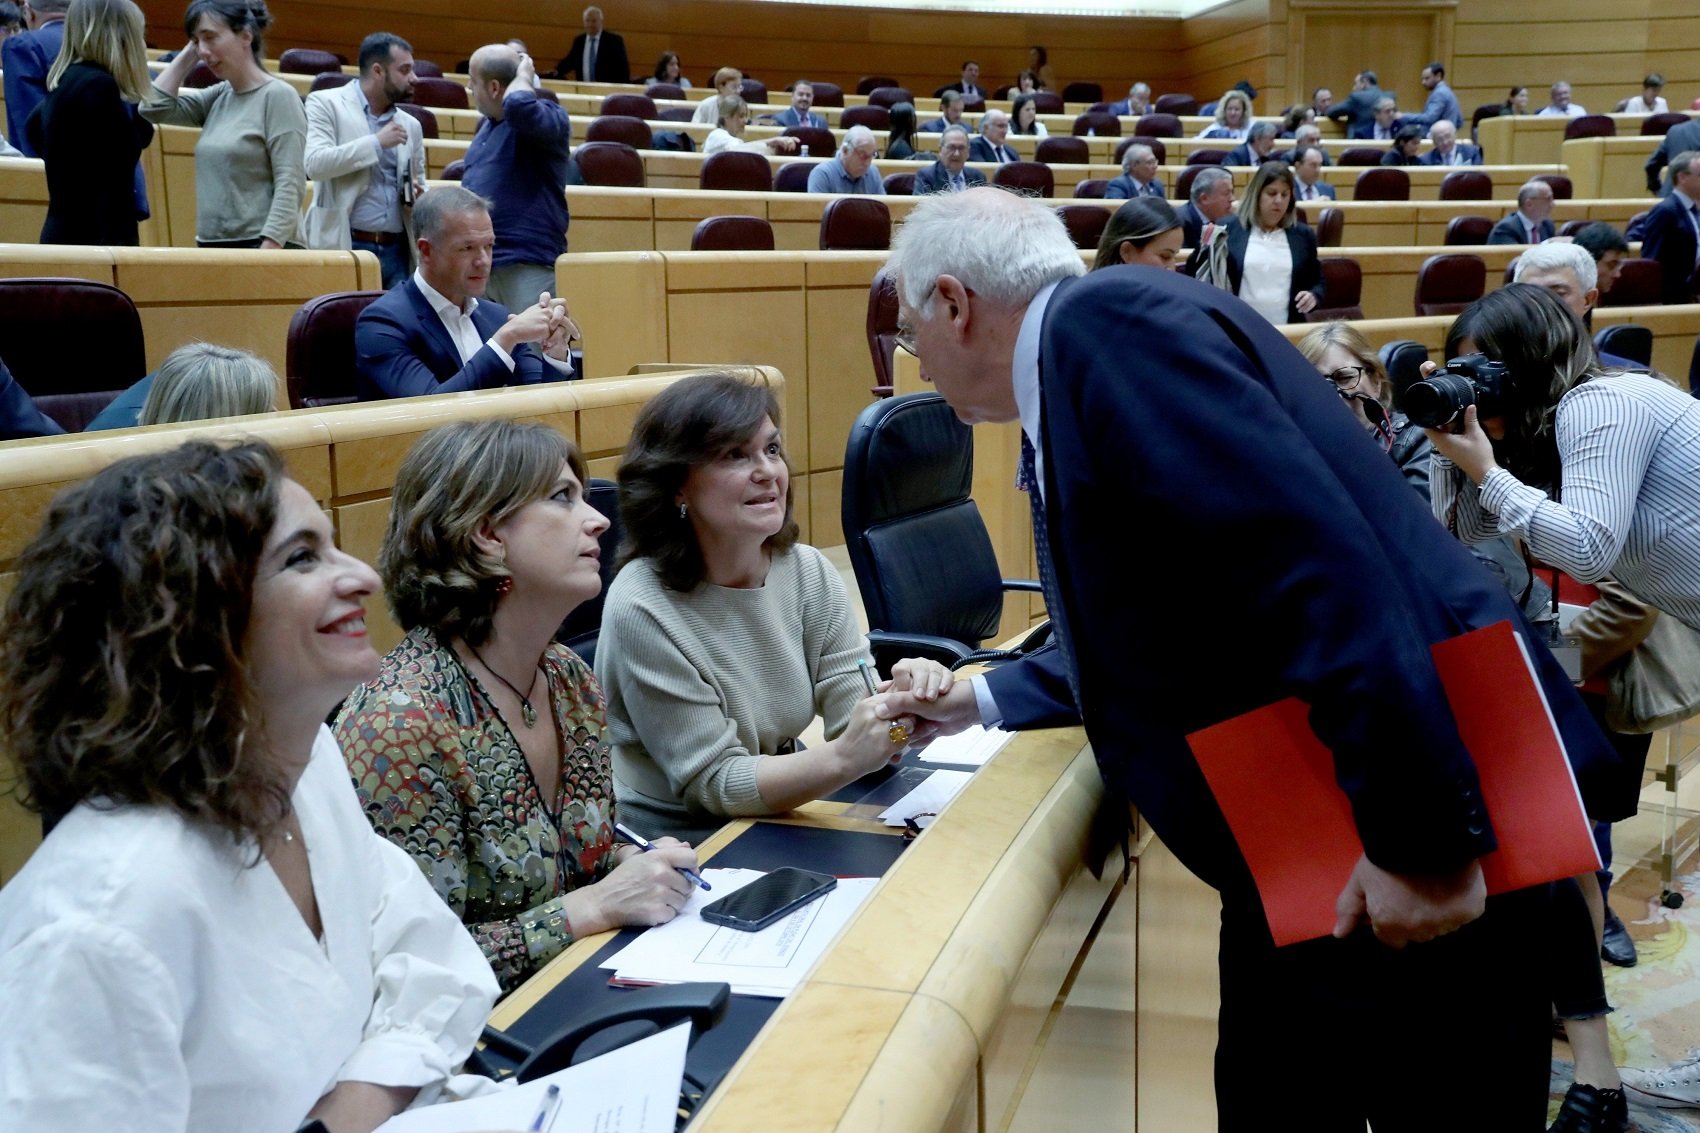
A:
{"points": [[439, 774]]}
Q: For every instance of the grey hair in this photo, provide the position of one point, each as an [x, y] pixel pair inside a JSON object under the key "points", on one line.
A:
{"points": [[1133, 154], [1307, 129], [1261, 130], [1004, 247], [1207, 179], [201, 381], [1532, 189], [434, 208], [949, 130], [1443, 122], [855, 136], [1553, 254], [1140, 90], [1385, 104], [993, 115], [949, 97]]}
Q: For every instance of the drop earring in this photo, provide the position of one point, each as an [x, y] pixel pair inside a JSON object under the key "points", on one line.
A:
{"points": [[683, 509]]}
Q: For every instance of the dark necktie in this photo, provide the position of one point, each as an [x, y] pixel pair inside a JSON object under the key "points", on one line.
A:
{"points": [[1029, 482]]}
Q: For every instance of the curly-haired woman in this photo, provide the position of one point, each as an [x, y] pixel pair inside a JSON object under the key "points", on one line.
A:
{"points": [[479, 746]]}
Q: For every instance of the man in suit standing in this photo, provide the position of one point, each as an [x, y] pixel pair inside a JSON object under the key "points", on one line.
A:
{"points": [[436, 334], [1211, 199], [798, 114], [1139, 176], [1672, 235], [1531, 223], [1219, 437], [1307, 171], [27, 57], [596, 56], [1358, 108], [950, 173], [366, 159], [1682, 137], [1258, 145], [1448, 150], [992, 144], [1442, 105]]}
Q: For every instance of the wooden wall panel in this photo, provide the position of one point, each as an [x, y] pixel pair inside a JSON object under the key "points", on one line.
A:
{"points": [[1329, 41], [1234, 42], [1501, 42]]}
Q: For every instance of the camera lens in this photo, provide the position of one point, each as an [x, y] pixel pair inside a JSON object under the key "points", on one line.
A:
{"points": [[1438, 400]]}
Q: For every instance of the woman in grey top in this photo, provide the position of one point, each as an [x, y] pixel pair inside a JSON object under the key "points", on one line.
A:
{"points": [[723, 637], [250, 175]]}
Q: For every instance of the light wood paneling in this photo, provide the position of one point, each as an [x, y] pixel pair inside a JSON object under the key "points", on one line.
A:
{"points": [[1394, 38], [1238, 41]]}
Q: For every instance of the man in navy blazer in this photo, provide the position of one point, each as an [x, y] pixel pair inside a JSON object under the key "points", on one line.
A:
{"points": [[992, 146], [434, 334], [1448, 150], [950, 173], [1139, 176], [1532, 222], [1137, 104], [798, 113], [1210, 199], [1312, 571], [27, 57], [1669, 236], [1682, 137], [1258, 145], [1307, 175]]}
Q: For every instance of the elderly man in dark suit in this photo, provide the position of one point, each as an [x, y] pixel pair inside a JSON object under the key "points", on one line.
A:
{"points": [[950, 173], [1448, 150], [1670, 236], [596, 56], [1258, 145], [1532, 222], [1139, 176], [1210, 199], [1212, 430], [992, 145], [1682, 137], [435, 334]]}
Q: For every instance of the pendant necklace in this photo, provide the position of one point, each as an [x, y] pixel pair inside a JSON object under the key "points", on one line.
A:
{"points": [[526, 711]]}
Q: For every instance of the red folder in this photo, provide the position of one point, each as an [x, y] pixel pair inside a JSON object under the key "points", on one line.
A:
{"points": [[1274, 781]]}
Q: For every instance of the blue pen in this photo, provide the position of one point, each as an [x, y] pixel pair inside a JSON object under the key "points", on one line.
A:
{"points": [[546, 1112], [645, 845]]}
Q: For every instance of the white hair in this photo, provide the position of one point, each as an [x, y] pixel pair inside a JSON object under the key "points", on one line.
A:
{"points": [[993, 115], [1532, 189], [1557, 254], [1307, 130], [1004, 247], [1442, 126], [1133, 154], [855, 136]]}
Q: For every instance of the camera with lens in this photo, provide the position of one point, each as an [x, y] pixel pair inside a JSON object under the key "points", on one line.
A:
{"points": [[1442, 397]]}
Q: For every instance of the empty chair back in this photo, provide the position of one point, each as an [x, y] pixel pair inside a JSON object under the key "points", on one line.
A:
{"points": [[624, 128], [882, 330], [1083, 92], [1090, 188], [1175, 105], [582, 627], [1159, 126], [1342, 287], [855, 224], [639, 106], [1160, 150], [793, 177], [1403, 360], [1485, 111], [1590, 126], [1207, 156], [1658, 125], [444, 93], [829, 94], [1047, 102], [1626, 340], [40, 316], [817, 139], [1468, 230], [1331, 228], [308, 61], [868, 84], [732, 234], [1384, 183], [329, 80], [676, 114], [889, 96], [899, 184], [736, 169], [1063, 151], [1102, 125], [427, 120], [1361, 155], [611, 164], [1640, 283], [873, 117], [754, 91], [1572, 227], [426, 69], [1562, 189], [1449, 282], [1466, 185], [1085, 224], [1183, 181], [1033, 177], [665, 92], [320, 363]]}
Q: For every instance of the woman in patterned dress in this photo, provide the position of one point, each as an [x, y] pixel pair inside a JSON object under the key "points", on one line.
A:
{"points": [[479, 746]]}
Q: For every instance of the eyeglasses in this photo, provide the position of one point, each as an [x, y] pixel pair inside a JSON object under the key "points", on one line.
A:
{"points": [[905, 336], [1346, 377]]}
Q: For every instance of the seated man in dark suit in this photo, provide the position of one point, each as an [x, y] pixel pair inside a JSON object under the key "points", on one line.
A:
{"points": [[1136, 104], [1307, 175], [1530, 224], [950, 113], [798, 113], [1682, 137], [1448, 150], [1258, 145], [950, 173], [1669, 234], [1212, 198], [1139, 176], [596, 56], [433, 334], [992, 145]]}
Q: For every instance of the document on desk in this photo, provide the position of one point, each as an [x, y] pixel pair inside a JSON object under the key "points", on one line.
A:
{"points": [[631, 1090], [934, 793], [970, 747], [768, 963]]}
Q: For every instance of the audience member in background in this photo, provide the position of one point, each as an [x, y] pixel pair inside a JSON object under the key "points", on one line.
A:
{"points": [[1139, 176], [400, 339], [212, 937], [1358, 107], [596, 56], [727, 80], [900, 137], [1026, 83], [1649, 101], [1568, 271], [1320, 100], [1294, 117], [729, 134], [1264, 253], [1345, 357], [1039, 63], [1447, 149], [1143, 231], [1560, 105], [950, 173], [491, 543], [1684, 136], [367, 159], [196, 382], [12, 20], [852, 169], [19, 417], [250, 178], [1233, 118], [968, 86], [668, 70], [1442, 104], [1516, 102], [1137, 102], [991, 145], [1307, 176], [1210, 199], [518, 162], [723, 637], [26, 59], [1385, 123], [1407, 141], [1609, 249], [1258, 145], [87, 129], [798, 114], [1024, 113], [1308, 134], [950, 113], [1669, 236], [1531, 223]]}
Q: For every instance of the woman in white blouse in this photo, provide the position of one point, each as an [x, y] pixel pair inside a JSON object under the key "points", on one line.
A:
{"points": [[212, 938], [729, 135], [1262, 252], [1233, 117], [1601, 468]]}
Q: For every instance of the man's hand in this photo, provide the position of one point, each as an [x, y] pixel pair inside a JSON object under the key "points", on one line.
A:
{"points": [[1408, 909], [392, 133], [562, 329], [527, 76], [950, 712], [530, 325]]}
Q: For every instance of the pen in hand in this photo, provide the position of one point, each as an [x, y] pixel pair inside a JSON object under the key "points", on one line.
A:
{"points": [[644, 846], [897, 732]]}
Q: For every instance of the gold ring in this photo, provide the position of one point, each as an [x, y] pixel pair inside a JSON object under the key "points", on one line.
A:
{"points": [[898, 734]]}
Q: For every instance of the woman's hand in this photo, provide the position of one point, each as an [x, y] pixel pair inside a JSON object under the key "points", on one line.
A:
{"points": [[925, 680], [1470, 450], [267, 244], [644, 889], [865, 744], [1305, 302]]}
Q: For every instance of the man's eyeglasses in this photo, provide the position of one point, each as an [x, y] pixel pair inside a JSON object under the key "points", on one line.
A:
{"points": [[905, 336], [1346, 377]]}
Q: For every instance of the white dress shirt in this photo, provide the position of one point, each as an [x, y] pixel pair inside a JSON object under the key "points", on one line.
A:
{"points": [[462, 332]]}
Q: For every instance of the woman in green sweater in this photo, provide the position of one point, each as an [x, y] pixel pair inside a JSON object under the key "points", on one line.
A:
{"points": [[723, 637], [250, 173]]}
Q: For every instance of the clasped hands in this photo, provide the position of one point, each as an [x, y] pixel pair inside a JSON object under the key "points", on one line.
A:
{"points": [[547, 323]]}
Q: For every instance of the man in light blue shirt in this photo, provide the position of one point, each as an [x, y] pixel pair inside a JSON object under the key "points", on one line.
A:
{"points": [[852, 170], [1442, 105]]}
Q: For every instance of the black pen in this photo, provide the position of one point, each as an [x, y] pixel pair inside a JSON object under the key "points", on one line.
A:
{"points": [[645, 845]]}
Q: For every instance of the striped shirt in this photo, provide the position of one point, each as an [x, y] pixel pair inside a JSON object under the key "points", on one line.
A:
{"points": [[1629, 445]]}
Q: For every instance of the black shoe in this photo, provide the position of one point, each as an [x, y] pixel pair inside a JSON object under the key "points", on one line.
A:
{"points": [[1616, 947], [1587, 1109]]}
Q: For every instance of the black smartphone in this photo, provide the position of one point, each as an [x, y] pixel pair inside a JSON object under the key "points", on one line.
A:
{"points": [[762, 902]]}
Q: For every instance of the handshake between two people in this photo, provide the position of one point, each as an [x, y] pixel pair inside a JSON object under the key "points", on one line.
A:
{"points": [[545, 323]]}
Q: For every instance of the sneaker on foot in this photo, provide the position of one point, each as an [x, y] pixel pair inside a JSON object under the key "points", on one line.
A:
{"points": [[1588, 1109], [1676, 1086]]}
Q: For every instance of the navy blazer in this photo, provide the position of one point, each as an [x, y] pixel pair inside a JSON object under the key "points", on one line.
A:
{"points": [[1669, 238], [1324, 189], [1243, 154], [789, 117], [1512, 230], [403, 350], [1301, 243], [18, 415], [1316, 573], [1682, 137], [1358, 108], [982, 150], [934, 179], [26, 58], [1472, 155], [1126, 188], [611, 63], [1192, 223]]}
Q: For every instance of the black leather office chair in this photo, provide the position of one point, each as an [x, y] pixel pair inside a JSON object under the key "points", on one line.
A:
{"points": [[1403, 360], [924, 563], [1626, 340], [584, 625]]}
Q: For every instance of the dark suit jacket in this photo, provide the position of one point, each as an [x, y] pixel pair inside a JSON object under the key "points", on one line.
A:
{"points": [[405, 351], [1682, 136], [91, 140], [611, 64], [1301, 243], [1669, 239], [26, 58], [1243, 154], [1472, 155], [1358, 108], [1394, 157], [1512, 230], [1192, 223], [980, 93], [1280, 505], [788, 118], [18, 415], [981, 150], [1325, 189], [1126, 188], [934, 179], [1291, 156]]}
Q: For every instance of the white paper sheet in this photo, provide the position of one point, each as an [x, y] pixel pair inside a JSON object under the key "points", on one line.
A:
{"points": [[631, 1090], [770, 962], [970, 747], [934, 793]]}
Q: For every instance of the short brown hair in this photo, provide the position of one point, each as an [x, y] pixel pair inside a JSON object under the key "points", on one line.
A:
{"points": [[451, 481], [691, 422]]}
